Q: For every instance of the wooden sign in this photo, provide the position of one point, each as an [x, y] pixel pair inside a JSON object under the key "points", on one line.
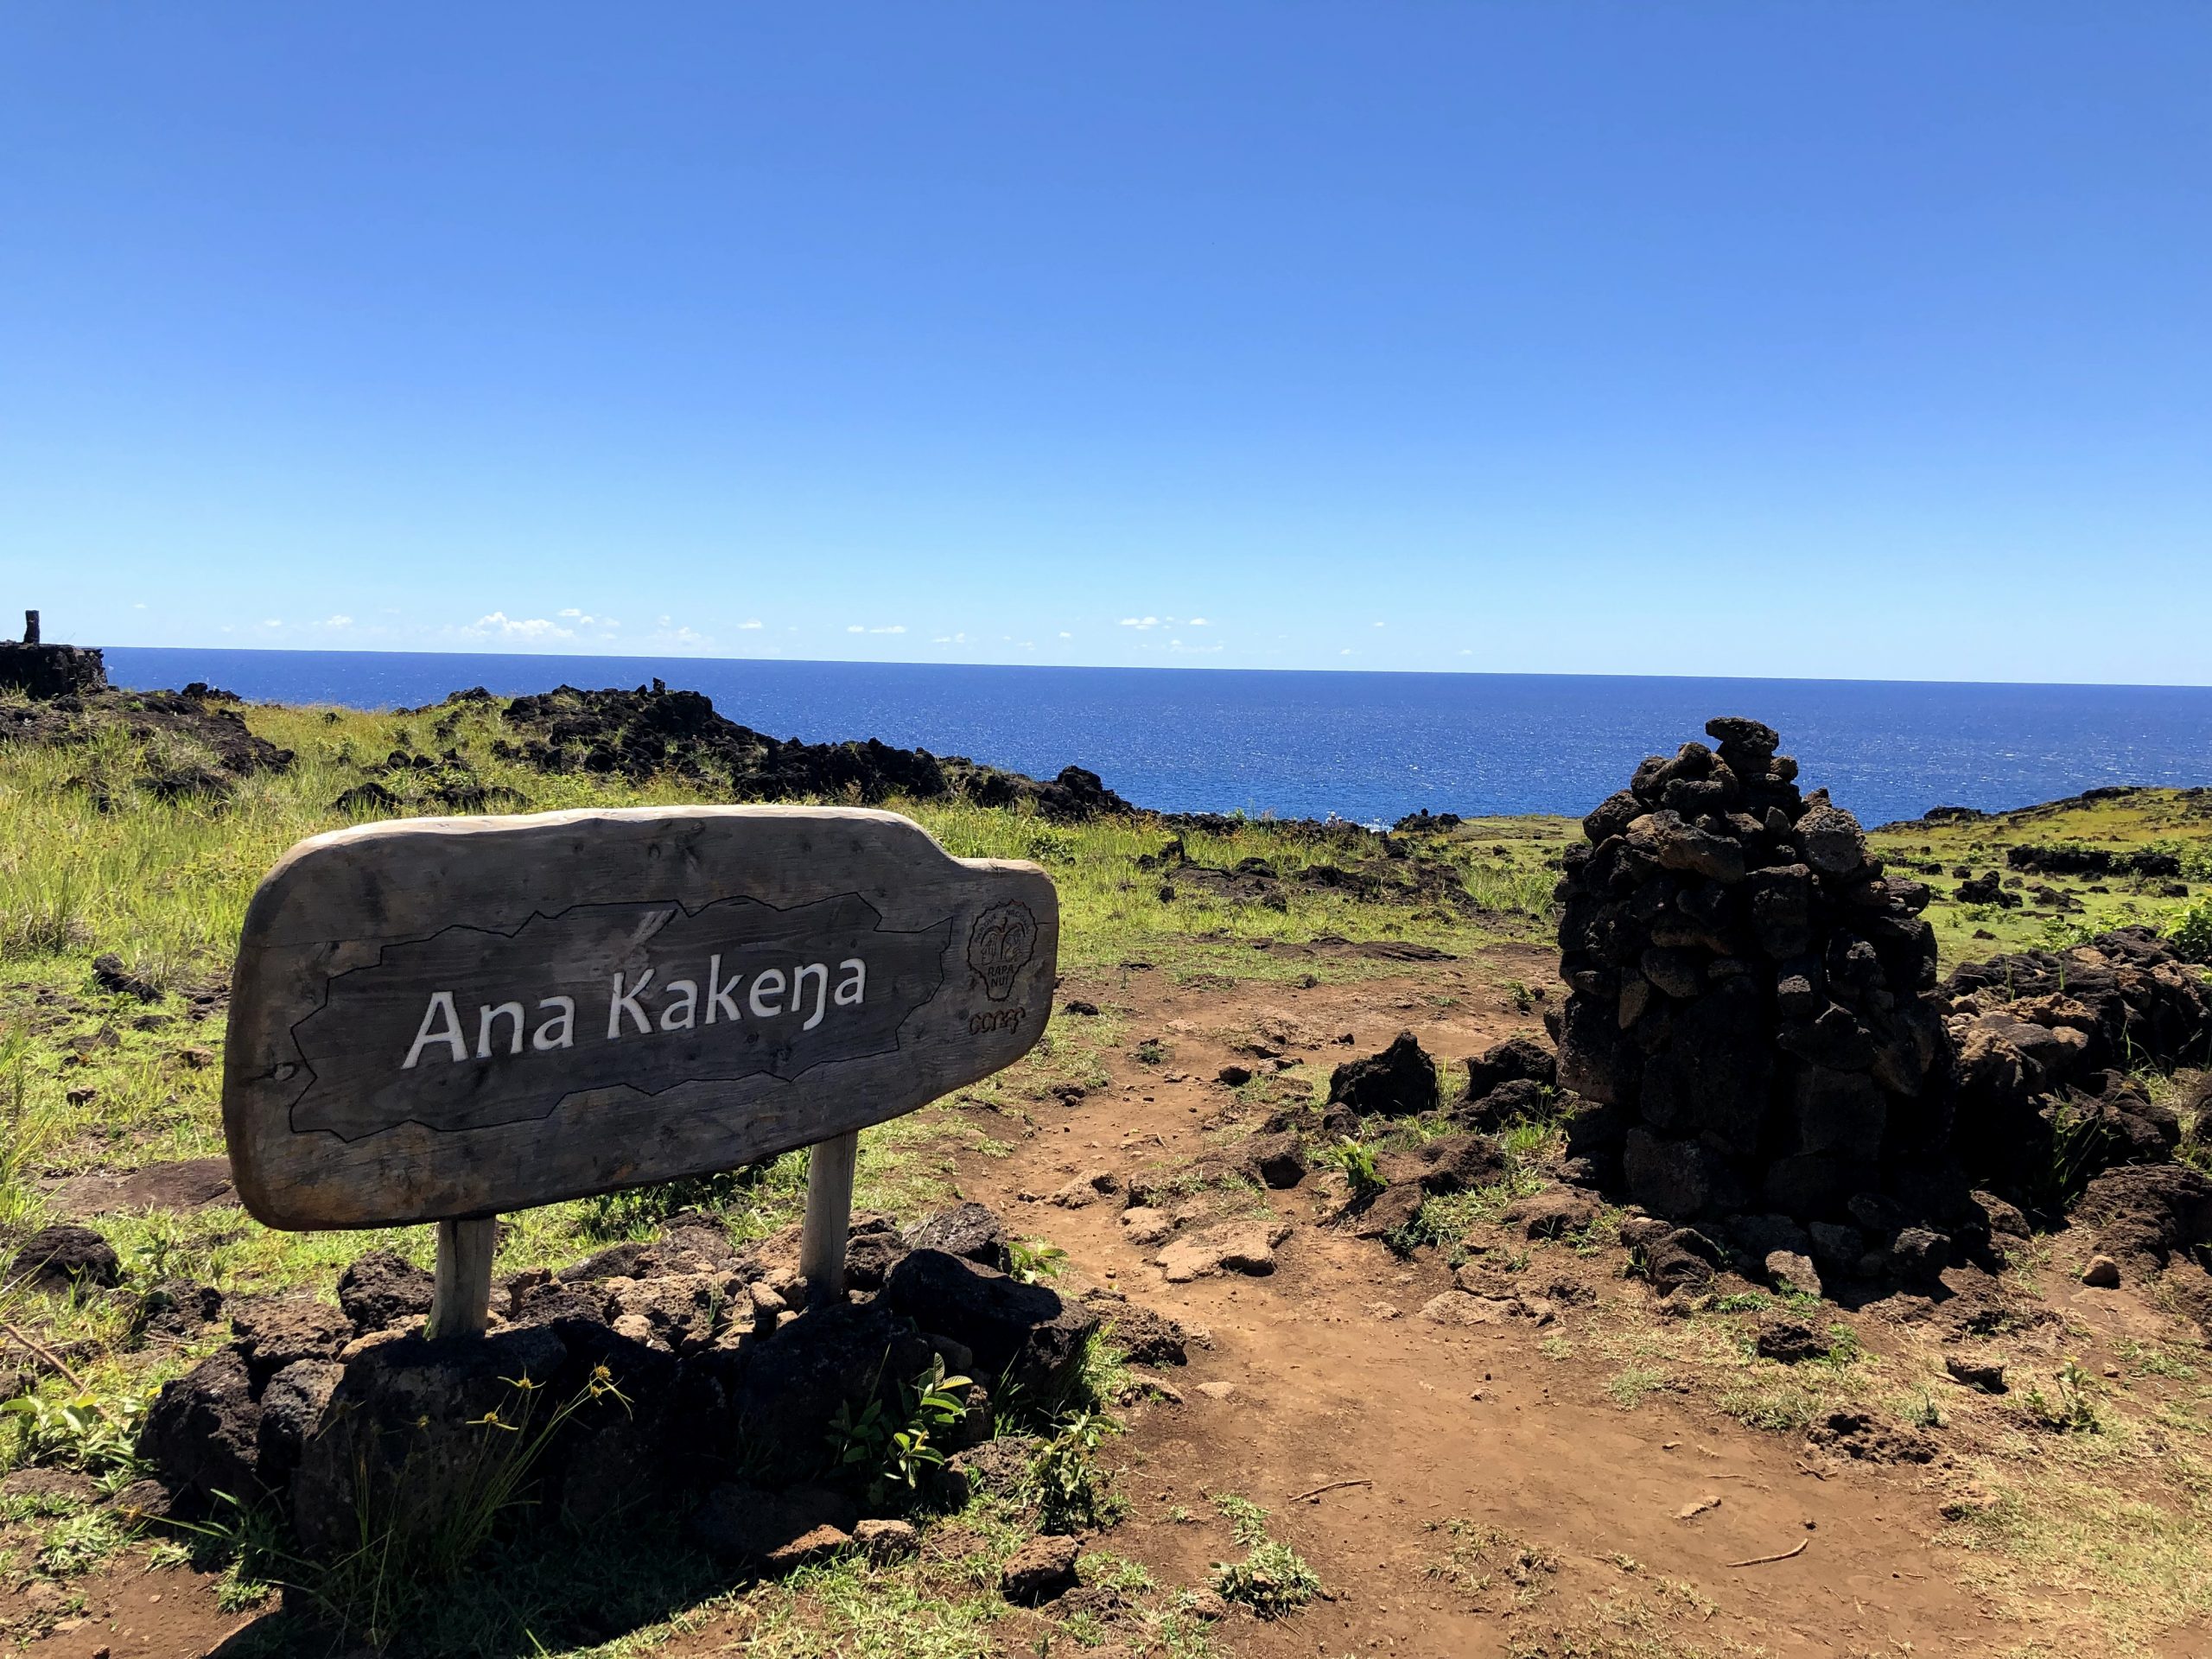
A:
{"points": [[449, 1017]]}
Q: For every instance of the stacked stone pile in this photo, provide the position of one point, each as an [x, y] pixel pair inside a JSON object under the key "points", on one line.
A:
{"points": [[1750, 1012], [693, 1371]]}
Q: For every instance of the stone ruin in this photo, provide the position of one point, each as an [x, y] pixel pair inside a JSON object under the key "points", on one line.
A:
{"points": [[43, 672], [1761, 1046], [1750, 995]]}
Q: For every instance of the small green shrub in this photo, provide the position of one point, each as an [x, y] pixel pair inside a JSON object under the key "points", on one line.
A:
{"points": [[1035, 1260], [101, 1437], [2064, 1175], [1921, 1410], [1070, 1491], [896, 1448], [1050, 845], [80, 1543], [2190, 932], [1272, 1581], [1356, 1159]]}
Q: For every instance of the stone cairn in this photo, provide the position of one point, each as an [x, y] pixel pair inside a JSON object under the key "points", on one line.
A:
{"points": [[42, 671], [1751, 1006]]}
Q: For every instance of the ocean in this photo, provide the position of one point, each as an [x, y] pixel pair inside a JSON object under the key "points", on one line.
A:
{"points": [[1365, 747]]}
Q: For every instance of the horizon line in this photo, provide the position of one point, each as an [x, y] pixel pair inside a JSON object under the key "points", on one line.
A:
{"points": [[1163, 668]]}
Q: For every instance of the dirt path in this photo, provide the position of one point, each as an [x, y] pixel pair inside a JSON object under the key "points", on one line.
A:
{"points": [[1570, 1508]]}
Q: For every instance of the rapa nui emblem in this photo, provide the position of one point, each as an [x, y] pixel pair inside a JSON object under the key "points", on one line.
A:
{"points": [[999, 946]]}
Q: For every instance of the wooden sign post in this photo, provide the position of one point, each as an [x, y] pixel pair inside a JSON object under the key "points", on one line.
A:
{"points": [[442, 1019]]}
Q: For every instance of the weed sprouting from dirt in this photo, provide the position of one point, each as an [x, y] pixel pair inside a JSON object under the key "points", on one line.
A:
{"points": [[2066, 1407], [1476, 1558], [1273, 1578], [1070, 1489], [1033, 1261], [1248, 1522], [1356, 1159]]}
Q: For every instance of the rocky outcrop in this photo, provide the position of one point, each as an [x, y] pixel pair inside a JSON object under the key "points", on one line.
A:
{"points": [[57, 1257], [2092, 861], [653, 730], [185, 745], [2049, 1044]]}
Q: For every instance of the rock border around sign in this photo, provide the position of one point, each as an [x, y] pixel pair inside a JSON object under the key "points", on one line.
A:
{"points": [[451, 1017]]}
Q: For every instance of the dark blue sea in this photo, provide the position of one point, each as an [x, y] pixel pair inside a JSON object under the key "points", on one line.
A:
{"points": [[1365, 747]]}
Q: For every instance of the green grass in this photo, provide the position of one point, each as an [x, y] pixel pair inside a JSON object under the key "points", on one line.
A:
{"points": [[2160, 819], [96, 1081]]}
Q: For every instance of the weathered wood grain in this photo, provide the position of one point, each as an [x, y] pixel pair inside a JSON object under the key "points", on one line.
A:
{"points": [[461, 1292], [830, 1168], [452, 943]]}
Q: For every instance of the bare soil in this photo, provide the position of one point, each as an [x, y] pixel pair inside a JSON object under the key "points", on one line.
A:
{"points": [[1331, 1374]]}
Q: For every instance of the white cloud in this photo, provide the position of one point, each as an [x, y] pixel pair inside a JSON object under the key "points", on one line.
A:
{"points": [[950, 640], [674, 636], [1346, 651], [139, 605], [273, 622], [1200, 622], [1378, 625], [573, 610], [1064, 634], [854, 628], [896, 628], [1141, 622], [500, 626], [749, 625], [338, 622]]}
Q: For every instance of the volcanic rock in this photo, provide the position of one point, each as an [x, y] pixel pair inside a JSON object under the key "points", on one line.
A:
{"points": [[1400, 1082], [56, 1257], [1025, 1333], [381, 1289], [970, 1232], [1517, 1059]]}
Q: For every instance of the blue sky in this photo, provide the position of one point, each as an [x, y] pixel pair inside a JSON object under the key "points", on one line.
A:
{"points": [[1835, 339]]}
